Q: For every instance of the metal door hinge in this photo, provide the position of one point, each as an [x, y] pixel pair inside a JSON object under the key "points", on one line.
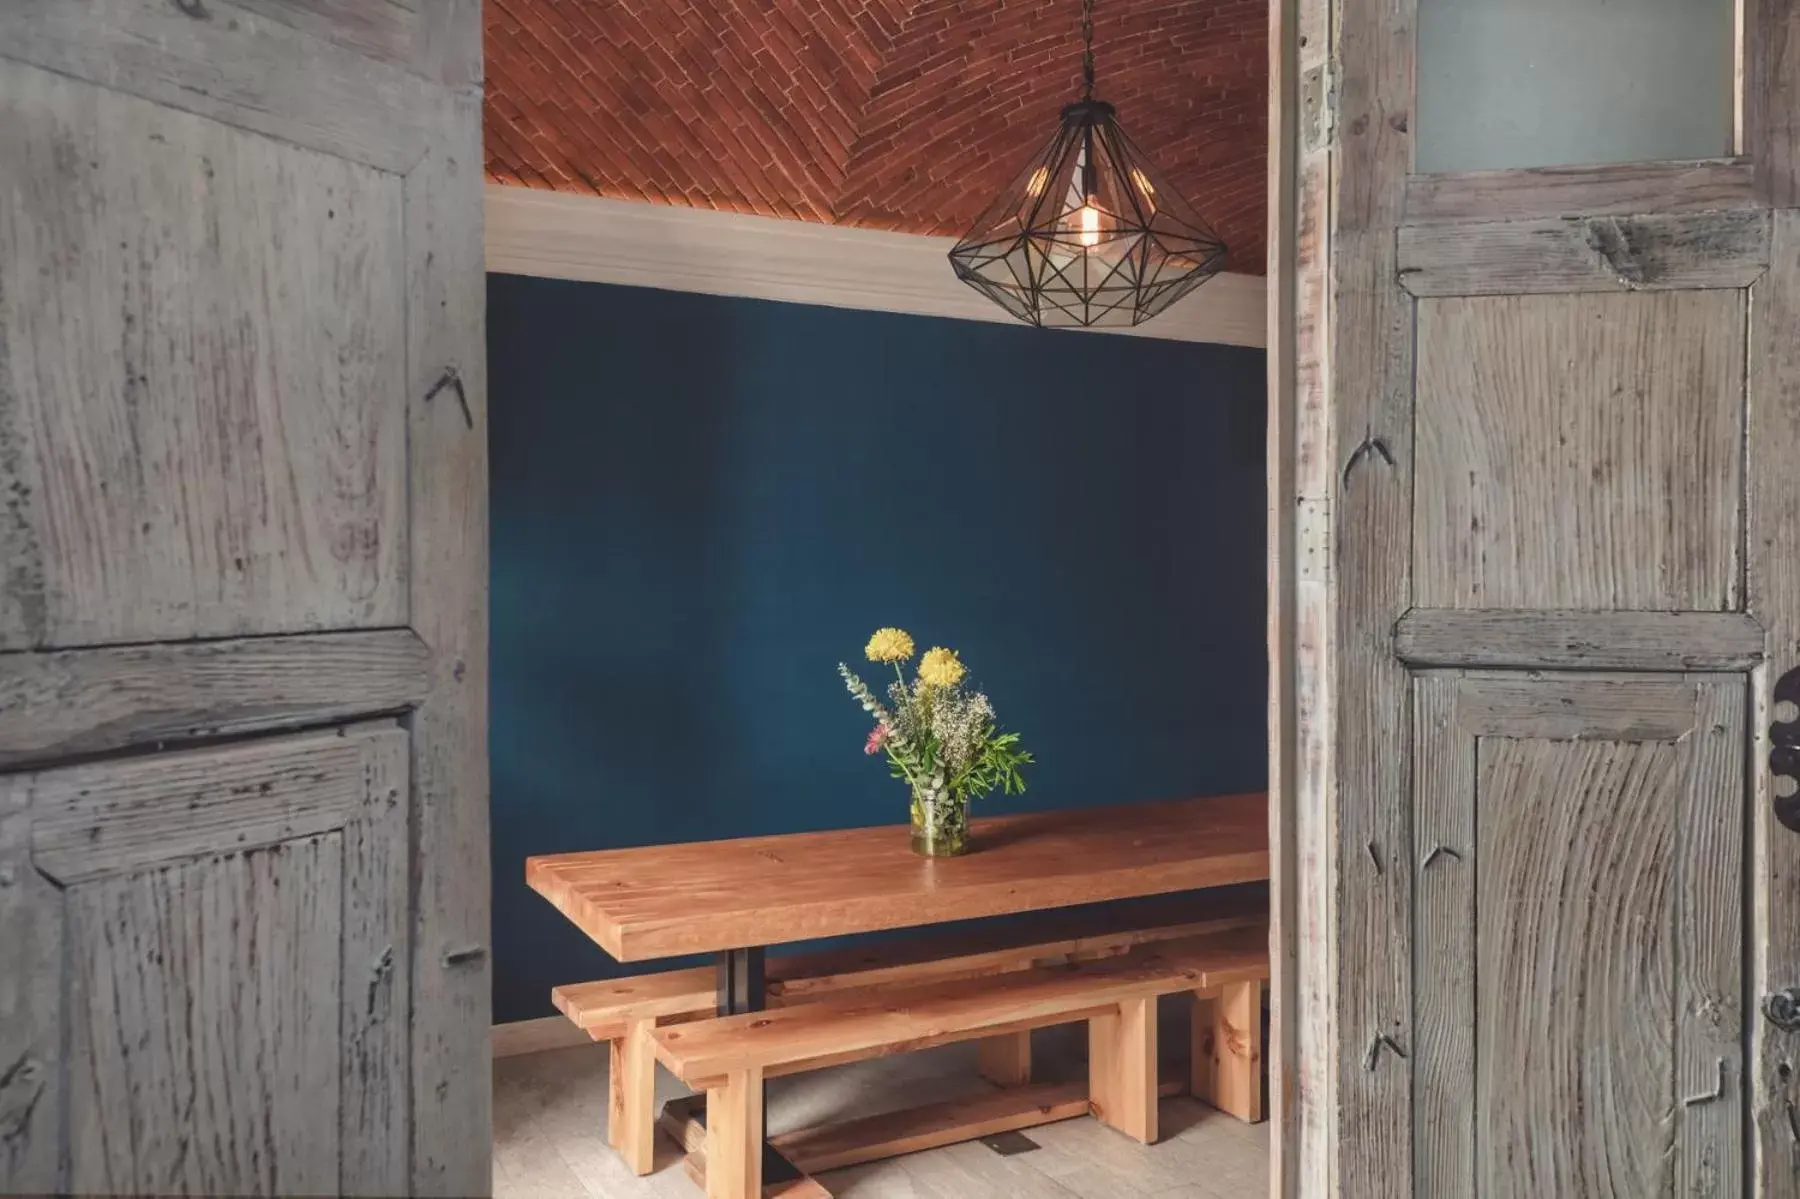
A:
{"points": [[1784, 752]]}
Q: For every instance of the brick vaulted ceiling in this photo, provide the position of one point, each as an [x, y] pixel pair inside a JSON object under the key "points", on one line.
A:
{"points": [[891, 114]]}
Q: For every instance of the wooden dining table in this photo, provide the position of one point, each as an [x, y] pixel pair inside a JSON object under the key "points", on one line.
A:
{"points": [[736, 898]]}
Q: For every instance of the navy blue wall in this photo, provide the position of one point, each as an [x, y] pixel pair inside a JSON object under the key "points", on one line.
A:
{"points": [[700, 505]]}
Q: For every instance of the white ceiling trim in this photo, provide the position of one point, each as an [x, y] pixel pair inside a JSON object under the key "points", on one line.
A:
{"points": [[559, 235]]}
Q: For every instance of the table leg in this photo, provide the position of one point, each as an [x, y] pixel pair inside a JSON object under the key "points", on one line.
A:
{"points": [[743, 988]]}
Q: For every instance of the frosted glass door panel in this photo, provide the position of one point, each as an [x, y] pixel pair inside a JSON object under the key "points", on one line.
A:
{"points": [[1528, 83]]}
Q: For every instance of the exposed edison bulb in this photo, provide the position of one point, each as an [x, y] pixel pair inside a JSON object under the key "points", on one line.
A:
{"points": [[1035, 185], [1090, 225]]}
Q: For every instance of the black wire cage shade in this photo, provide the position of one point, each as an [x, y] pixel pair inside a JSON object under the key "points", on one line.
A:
{"points": [[1089, 233]]}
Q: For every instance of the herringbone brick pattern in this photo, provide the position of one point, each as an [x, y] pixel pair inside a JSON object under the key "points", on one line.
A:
{"points": [[891, 114]]}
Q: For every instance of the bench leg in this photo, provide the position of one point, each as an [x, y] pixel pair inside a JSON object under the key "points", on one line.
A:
{"points": [[1237, 1051], [1005, 1060], [1200, 1053], [1122, 1068], [631, 1122], [734, 1137]]}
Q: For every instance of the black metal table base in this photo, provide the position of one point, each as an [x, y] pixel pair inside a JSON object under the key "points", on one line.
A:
{"points": [[743, 987]]}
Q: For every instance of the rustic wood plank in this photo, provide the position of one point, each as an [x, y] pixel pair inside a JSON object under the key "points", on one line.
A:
{"points": [[33, 1080], [252, 941], [1580, 452], [84, 701], [387, 31], [1444, 871], [734, 1137], [233, 66], [213, 451], [1773, 581], [1709, 942], [1614, 189], [375, 1111], [836, 1145], [631, 1103], [1585, 254], [447, 485], [1302, 650], [1201, 1032], [1237, 1052], [1560, 708], [859, 1025], [1005, 1061], [1563, 1118], [1370, 334], [112, 817], [1578, 640], [1771, 98], [754, 892], [1122, 1068]]}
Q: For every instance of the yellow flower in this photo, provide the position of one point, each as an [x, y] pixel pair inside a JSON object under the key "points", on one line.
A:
{"points": [[941, 667], [890, 645]]}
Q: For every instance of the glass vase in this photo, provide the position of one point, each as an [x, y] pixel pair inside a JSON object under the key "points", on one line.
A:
{"points": [[940, 826]]}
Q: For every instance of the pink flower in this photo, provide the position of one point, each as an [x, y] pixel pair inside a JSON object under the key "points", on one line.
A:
{"points": [[877, 738]]}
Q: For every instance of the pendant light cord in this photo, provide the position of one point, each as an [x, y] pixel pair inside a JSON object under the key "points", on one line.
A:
{"points": [[1087, 48]]}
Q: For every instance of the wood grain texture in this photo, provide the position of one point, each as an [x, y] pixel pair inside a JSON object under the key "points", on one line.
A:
{"points": [[447, 489], [853, 1027], [1709, 948], [375, 1107], [1580, 452], [658, 901], [1201, 1030], [1615, 189], [387, 31], [33, 1086], [161, 1103], [1565, 708], [1303, 472], [1562, 1119], [236, 67], [1237, 1049], [1371, 338], [1586, 254], [1773, 581], [85, 701], [1005, 1061], [1122, 1068], [188, 459], [1576, 640], [856, 1141], [1444, 1013], [1771, 98], [631, 1103], [113, 817], [734, 1137]]}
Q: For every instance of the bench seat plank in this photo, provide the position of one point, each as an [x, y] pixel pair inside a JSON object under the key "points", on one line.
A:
{"points": [[862, 1024]]}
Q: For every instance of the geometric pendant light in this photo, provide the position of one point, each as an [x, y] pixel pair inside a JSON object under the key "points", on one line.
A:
{"points": [[1089, 233]]}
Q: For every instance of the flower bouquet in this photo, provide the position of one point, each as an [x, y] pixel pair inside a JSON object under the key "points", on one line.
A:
{"points": [[939, 737]]}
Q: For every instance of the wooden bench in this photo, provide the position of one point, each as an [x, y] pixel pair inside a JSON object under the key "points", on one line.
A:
{"points": [[625, 1012], [729, 1057]]}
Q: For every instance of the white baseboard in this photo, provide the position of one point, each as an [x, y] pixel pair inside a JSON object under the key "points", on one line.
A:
{"points": [[535, 1036], [561, 235]]}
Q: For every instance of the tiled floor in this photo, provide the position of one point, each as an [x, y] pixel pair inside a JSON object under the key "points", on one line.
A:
{"points": [[550, 1136]]}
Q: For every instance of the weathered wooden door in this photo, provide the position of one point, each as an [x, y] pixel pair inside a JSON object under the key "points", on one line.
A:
{"points": [[243, 864], [1542, 588]]}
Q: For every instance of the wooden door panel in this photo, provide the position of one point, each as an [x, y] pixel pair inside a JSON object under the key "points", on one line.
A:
{"points": [[1580, 451], [220, 950], [192, 460], [291, 70], [1578, 942]]}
